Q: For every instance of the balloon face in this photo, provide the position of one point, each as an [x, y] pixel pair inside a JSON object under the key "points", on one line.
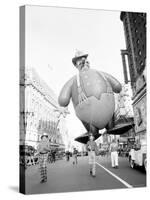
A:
{"points": [[99, 107]]}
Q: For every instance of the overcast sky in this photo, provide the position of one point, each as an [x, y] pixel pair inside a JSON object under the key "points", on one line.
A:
{"points": [[54, 34]]}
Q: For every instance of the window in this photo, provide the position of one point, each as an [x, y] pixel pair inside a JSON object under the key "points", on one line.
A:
{"points": [[140, 52]]}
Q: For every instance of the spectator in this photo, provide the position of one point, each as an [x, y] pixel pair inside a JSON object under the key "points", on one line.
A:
{"points": [[67, 155], [75, 152], [92, 150], [43, 149], [114, 154]]}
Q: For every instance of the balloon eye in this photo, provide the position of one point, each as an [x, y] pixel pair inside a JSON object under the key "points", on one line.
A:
{"points": [[78, 62]]}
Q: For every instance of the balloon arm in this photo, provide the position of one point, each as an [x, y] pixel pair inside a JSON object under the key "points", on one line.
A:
{"points": [[116, 85], [65, 94]]}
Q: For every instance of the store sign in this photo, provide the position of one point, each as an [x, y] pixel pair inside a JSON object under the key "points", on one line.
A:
{"points": [[139, 83], [140, 115]]}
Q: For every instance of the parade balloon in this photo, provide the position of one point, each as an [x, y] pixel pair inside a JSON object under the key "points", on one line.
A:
{"points": [[97, 90], [92, 95]]}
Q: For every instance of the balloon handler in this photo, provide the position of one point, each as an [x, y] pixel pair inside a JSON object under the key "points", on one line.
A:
{"points": [[43, 149], [92, 149], [92, 95]]}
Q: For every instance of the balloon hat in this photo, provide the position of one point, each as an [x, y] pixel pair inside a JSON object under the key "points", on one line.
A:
{"points": [[78, 54]]}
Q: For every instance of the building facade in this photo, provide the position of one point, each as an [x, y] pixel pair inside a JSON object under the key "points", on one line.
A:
{"points": [[63, 130], [38, 114], [123, 102], [134, 71], [124, 109]]}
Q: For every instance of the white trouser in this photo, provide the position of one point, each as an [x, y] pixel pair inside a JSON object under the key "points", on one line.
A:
{"points": [[75, 159], [114, 158], [92, 163]]}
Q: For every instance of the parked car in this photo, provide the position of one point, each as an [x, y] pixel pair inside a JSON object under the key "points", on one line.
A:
{"points": [[138, 155], [27, 157]]}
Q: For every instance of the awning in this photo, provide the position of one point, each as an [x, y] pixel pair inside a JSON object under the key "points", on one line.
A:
{"points": [[120, 129]]}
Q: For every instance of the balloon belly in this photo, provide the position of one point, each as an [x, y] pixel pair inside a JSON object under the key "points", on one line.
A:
{"points": [[97, 112]]}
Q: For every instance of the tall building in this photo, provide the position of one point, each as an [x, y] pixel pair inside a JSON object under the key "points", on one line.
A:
{"points": [[124, 110], [38, 111], [134, 70]]}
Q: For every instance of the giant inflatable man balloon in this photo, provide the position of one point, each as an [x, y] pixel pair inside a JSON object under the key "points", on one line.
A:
{"points": [[92, 95]]}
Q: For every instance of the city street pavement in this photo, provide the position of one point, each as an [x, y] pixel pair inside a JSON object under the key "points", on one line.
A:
{"points": [[135, 177], [63, 176]]}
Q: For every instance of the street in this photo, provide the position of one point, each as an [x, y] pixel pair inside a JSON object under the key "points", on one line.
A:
{"points": [[63, 176]]}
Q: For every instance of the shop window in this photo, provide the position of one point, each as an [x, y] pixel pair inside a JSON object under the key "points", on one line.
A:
{"points": [[142, 63], [141, 35], [139, 52], [138, 41], [136, 30]]}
